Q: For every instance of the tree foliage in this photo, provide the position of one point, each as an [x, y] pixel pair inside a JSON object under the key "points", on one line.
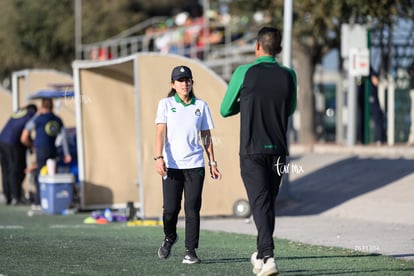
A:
{"points": [[41, 33], [316, 30], [317, 23]]}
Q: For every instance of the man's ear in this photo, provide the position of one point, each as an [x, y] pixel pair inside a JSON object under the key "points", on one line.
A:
{"points": [[258, 46]]}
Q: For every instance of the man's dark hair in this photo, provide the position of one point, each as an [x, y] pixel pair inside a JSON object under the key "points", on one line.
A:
{"points": [[31, 108], [270, 39]]}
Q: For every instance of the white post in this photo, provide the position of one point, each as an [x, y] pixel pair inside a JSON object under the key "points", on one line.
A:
{"points": [[339, 128], [284, 192], [78, 29], [79, 131], [15, 91], [287, 33], [391, 111], [206, 27], [352, 111]]}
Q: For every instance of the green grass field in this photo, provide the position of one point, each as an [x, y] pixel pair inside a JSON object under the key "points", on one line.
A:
{"points": [[64, 245]]}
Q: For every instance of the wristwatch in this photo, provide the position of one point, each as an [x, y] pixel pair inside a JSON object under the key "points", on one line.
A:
{"points": [[212, 163], [158, 157]]}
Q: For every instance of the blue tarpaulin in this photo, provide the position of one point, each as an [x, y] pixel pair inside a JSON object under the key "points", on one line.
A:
{"points": [[52, 94]]}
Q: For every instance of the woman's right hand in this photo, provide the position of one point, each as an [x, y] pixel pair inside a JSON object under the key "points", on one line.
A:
{"points": [[160, 167]]}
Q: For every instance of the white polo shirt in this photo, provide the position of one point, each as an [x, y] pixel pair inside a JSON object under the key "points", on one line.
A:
{"points": [[182, 147]]}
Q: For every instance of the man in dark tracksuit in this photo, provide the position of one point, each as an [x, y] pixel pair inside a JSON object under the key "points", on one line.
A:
{"points": [[13, 154], [264, 92]]}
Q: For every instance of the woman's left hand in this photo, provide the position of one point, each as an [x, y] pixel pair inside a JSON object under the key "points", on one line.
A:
{"points": [[215, 173]]}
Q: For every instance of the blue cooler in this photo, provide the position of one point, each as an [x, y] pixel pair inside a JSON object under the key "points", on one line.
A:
{"points": [[56, 192]]}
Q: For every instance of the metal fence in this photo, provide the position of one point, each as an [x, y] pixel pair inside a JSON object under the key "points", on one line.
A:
{"points": [[233, 49]]}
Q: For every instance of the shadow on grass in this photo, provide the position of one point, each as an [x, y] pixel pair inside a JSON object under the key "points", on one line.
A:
{"points": [[402, 255], [381, 270], [333, 271], [241, 260], [329, 256], [344, 271], [225, 260]]}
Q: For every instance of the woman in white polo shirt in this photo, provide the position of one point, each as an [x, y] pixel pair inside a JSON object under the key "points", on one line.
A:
{"points": [[180, 122]]}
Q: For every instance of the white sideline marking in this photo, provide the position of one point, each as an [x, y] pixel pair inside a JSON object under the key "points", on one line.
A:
{"points": [[11, 227], [72, 226]]}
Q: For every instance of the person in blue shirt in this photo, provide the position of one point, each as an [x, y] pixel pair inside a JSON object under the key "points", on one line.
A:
{"points": [[47, 126], [13, 154]]}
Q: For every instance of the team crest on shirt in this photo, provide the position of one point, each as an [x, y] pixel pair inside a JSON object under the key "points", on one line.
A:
{"points": [[197, 112], [52, 128]]}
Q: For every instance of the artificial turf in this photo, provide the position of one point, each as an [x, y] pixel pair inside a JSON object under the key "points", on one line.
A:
{"points": [[64, 245]]}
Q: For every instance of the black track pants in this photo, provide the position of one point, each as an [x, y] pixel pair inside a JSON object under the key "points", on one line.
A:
{"points": [[262, 180], [191, 182]]}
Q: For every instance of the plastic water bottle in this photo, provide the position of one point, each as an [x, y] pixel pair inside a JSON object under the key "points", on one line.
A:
{"points": [[66, 212], [108, 215]]}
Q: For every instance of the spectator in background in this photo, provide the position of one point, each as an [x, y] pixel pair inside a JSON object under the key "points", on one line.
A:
{"points": [[184, 34], [100, 54], [411, 74], [13, 155], [47, 127], [375, 109]]}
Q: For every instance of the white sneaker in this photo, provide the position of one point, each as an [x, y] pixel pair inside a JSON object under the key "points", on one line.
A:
{"points": [[268, 268], [257, 263], [191, 257]]}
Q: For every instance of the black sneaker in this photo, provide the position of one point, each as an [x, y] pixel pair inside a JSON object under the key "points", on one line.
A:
{"points": [[165, 249], [191, 257]]}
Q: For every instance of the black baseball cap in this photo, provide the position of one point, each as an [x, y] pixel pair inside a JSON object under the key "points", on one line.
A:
{"points": [[180, 72]]}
